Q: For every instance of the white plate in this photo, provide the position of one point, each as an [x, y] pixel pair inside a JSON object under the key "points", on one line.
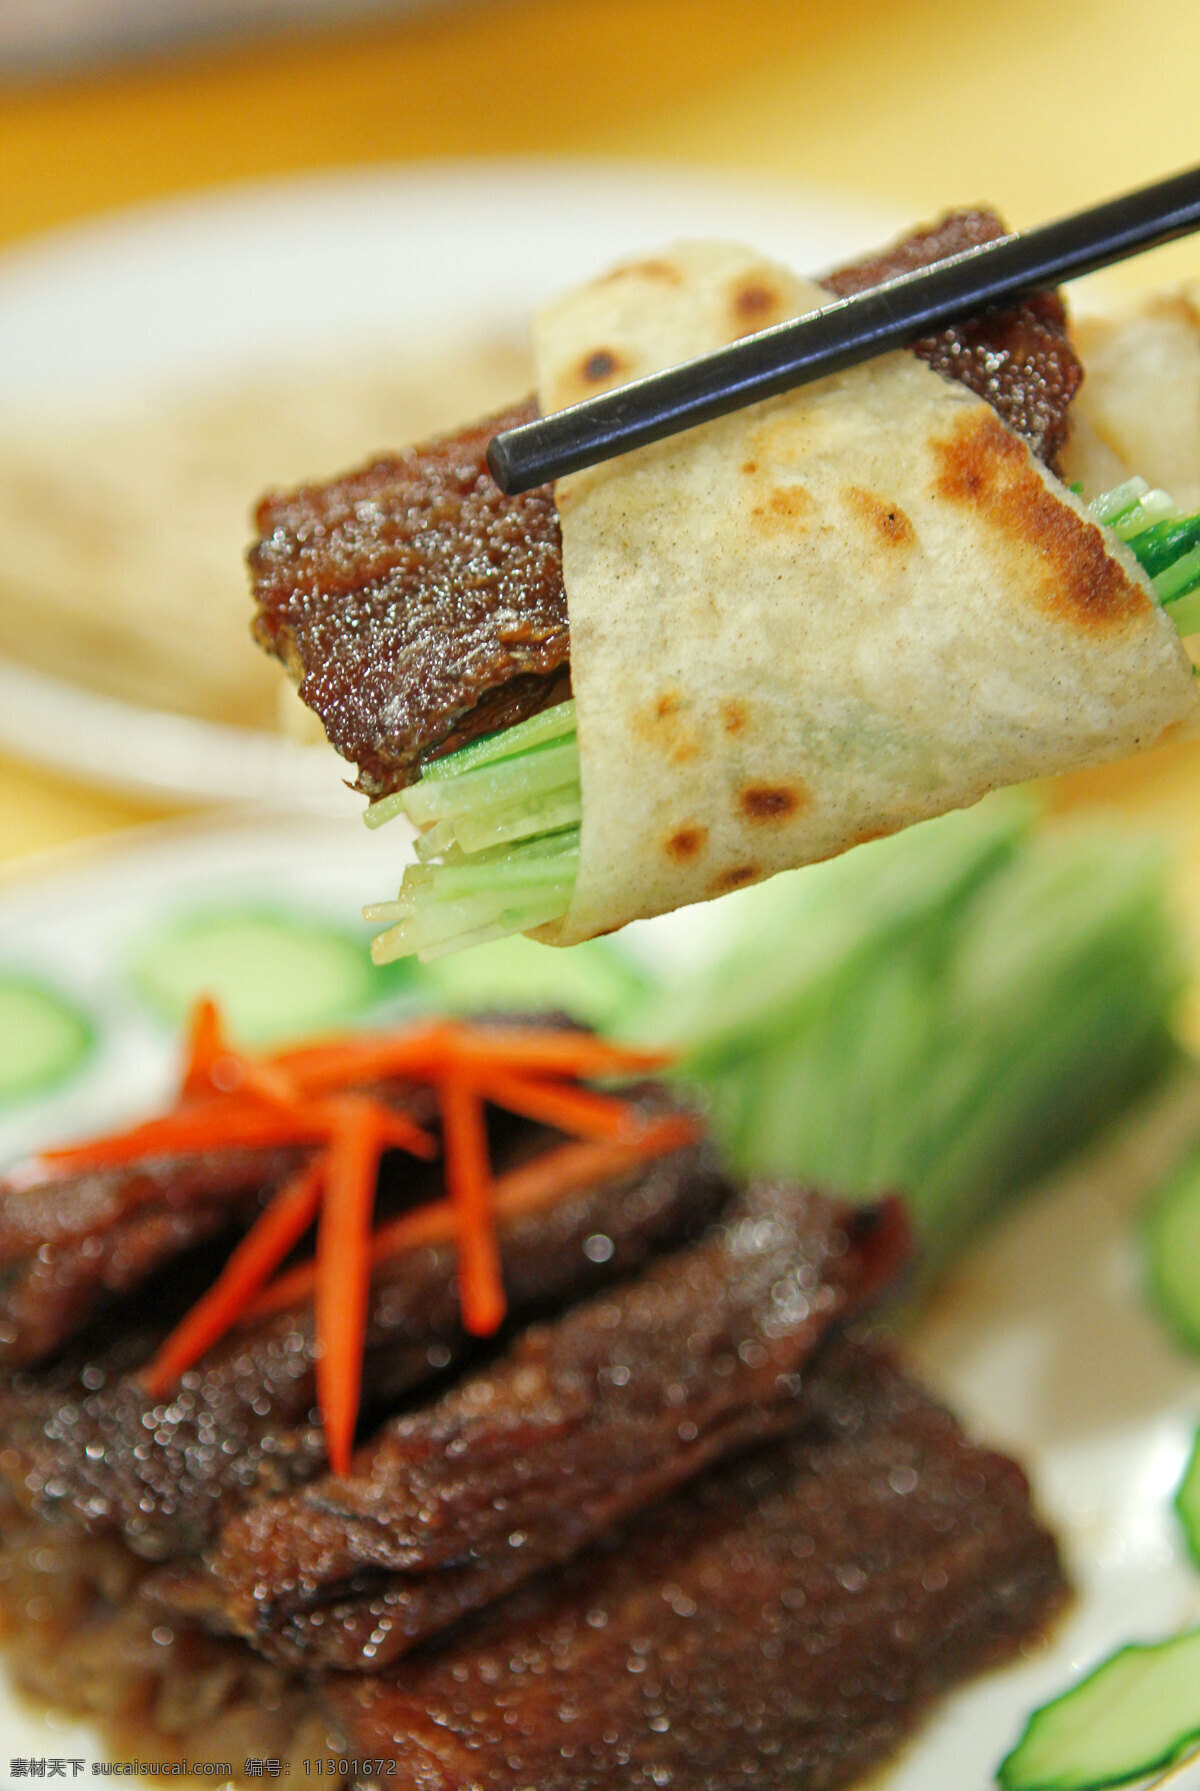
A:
{"points": [[194, 293], [1040, 1341]]}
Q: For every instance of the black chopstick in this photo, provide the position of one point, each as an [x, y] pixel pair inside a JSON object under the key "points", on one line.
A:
{"points": [[842, 333]]}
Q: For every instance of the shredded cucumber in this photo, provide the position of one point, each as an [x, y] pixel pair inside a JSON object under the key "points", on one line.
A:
{"points": [[43, 1039], [946, 1012], [1187, 1502], [1138, 1711], [1172, 1244], [522, 787]]}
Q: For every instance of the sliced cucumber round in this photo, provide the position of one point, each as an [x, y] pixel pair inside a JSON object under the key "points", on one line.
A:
{"points": [[1135, 1713], [1187, 1502], [274, 974], [43, 1038], [595, 982], [1173, 1253]]}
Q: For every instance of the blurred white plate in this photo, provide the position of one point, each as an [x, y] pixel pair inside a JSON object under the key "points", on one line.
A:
{"points": [[1040, 1341], [196, 293]]}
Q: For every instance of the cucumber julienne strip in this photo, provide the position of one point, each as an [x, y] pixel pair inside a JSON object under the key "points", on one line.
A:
{"points": [[492, 801]]}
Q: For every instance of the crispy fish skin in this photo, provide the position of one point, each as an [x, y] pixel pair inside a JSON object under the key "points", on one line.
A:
{"points": [[72, 1245], [415, 604], [418, 607], [1018, 358], [783, 1625], [83, 1442], [582, 1422]]}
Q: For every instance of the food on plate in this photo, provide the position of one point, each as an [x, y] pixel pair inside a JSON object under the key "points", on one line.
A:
{"points": [[783, 1625], [683, 1450], [43, 1037], [1187, 1502], [73, 1447], [563, 1437], [1172, 1248], [275, 973], [418, 607], [790, 630], [122, 523], [948, 1011], [1137, 1711], [1138, 410]]}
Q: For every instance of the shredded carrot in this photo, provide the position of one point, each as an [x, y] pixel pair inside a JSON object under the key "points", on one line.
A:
{"points": [[323, 1095], [552, 1053], [468, 1185], [323, 1068], [190, 1132], [562, 1105], [206, 1045], [252, 1263], [427, 1049], [541, 1183], [344, 1274]]}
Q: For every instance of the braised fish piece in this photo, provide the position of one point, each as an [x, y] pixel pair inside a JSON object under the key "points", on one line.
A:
{"points": [[71, 1245], [415, 605], [83, 1441], [1019, 357], [782, 1624], [582, 1422], [418, 607]]}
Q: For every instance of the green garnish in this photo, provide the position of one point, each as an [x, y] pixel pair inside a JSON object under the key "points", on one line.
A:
{"points": [[43, 1039], [947, 1012], [498, 821], [1134, 1713], [1173, 1253], [275, 974], [1187, 1502]]}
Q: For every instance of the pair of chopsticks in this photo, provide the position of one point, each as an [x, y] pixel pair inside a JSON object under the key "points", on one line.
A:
{"points": [[843, 333]]}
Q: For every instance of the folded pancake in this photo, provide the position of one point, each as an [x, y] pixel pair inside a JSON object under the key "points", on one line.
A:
{"points": [[418, 607], [1139, 409], [825, 617]]}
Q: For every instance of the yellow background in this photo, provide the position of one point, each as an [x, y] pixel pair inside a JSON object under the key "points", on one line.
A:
{"points": [[1037, 106]]}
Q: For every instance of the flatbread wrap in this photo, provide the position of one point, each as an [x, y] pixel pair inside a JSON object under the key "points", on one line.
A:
{"points": [[746, 648], [823, 618]]}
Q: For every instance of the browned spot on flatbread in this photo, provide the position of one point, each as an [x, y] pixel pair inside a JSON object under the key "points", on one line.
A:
{"points": [[734, 878], [599, 365], [772, 802], [750, 466], [984, 466], [733, 717], [687, 843], [664, 727], [756, 302], [786, 507], [886, 520]]}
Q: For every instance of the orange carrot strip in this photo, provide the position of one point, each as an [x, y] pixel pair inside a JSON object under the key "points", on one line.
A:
{"points": [[468, 1185], [260, 1252], [216, 1126], [552, 1053], [558, 1104], [422, 1050], [206, 1045], [344, 1273], [323, 1068], [399, 1133], [567, 1168]]}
